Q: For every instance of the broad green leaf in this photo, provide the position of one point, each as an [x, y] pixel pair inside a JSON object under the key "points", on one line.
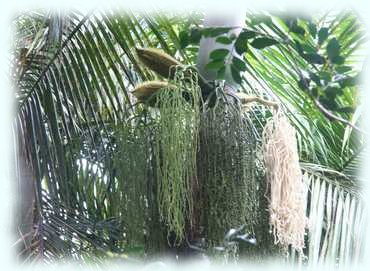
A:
{"points": [[239, 64], [294, 27], [314, 58], [343, 69], [339, 60], [215, 31], [219, 54], [323, 35], [314, 77], [299, 47], [308, 48], [241, 46], [260, 43], [247, 34], [346, 109], [195, 36], [221, 73], [235, 73], [313, 30], [223, 40], [184, 39], [333, 49], [348, 81], [332, 92], [329, 103], [241, 43], [326, 76], [215, 64], [304, 83]]}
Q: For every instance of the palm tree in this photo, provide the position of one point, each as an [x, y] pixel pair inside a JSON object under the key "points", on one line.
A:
{"points": [[84, 147]]}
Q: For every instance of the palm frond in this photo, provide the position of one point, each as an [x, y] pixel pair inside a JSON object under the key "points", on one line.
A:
{"points": [[273, 71], [336, 221], [68, 104]]}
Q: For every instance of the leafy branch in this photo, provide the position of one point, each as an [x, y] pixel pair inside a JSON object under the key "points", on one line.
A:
{"points": [[324, 79]]}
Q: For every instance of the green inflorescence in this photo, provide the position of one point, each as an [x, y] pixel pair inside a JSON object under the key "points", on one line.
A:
{"points": [[191, 167], [131, 165], [176, 144], [226, 168]]}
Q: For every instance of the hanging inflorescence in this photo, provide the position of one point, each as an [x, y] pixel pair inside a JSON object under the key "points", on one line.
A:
{"points": [[288, 193], [131, 171], [176, 144], [206, 152], [226, 167]]}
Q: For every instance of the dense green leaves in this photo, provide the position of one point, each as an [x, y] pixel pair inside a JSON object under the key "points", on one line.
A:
{"points": [[240, 46], [193, 36], [299, 72]]}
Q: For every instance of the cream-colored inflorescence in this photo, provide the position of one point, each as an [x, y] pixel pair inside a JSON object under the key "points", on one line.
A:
{"points": [[287, 201]]}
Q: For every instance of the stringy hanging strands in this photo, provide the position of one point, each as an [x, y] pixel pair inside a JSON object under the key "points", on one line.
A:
{"points": [[288, 193], [176, 147], [130, 161]]}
